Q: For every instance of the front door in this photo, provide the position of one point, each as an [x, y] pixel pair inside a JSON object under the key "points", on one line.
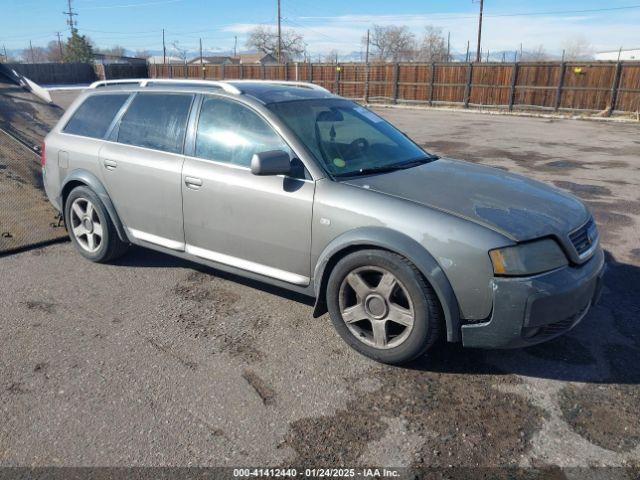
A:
{"points": [[260, 224], [142, 167]]}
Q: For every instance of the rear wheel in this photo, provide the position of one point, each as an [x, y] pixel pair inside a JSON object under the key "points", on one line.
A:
{"points": [[381, 305], [90, 226]]}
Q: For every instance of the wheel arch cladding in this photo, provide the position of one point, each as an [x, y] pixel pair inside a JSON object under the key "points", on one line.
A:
{"points": [[88, 179], [396, 242]]}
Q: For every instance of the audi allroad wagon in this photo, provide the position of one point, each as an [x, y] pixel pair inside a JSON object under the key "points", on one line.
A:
{"points": [[288, 184]]}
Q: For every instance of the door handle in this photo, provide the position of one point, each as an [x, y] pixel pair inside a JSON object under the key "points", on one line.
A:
{"points": [[110, 164], [193, 182]]}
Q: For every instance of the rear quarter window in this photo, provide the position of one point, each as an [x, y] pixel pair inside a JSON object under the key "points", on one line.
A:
{"points": [[157, 121], [93, 117]]}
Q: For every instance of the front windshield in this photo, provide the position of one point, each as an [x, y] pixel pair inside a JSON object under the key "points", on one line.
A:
{"points": [[347, 138]]}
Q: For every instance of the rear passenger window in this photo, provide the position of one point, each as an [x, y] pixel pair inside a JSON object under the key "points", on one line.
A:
{"points": [[229, 132], [157, 121], [93, 117]]}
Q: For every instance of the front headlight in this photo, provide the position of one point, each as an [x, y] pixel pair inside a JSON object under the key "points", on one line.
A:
{"points": [[528, 258]]}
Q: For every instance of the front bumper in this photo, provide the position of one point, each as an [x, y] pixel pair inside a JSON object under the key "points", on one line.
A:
{"points": [[535, 309]]}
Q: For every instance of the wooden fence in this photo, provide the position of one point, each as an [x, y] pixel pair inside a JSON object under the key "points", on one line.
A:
{"points": [[591, 86]]}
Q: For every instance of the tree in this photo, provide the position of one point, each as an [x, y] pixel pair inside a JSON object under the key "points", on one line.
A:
{"points": [[433, 47], [142, 54], [265, 40], [181, 53], [393, 43], [78, 48], [331, 57], [116, 51], [55, 52], [578, 48], [538, 54], [34, 55]]}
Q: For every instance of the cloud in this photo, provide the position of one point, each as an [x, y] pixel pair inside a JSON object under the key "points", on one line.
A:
{"points": [[344, 32]]}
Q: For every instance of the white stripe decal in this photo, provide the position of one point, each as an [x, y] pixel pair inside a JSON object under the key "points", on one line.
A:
{"points": [[247, 265], [162, 241]]}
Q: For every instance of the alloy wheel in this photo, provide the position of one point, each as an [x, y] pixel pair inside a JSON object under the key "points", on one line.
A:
{"points": [[86, 225], [376, 307]]}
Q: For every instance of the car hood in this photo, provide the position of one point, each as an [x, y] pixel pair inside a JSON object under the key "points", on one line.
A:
{"points": [[515, 206]]}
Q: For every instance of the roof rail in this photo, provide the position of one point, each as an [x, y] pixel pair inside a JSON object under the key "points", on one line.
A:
{"points": [[144, 82], [310, 85]]}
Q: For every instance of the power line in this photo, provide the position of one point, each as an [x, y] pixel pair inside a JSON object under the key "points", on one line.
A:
{"points": [[436, 17]]}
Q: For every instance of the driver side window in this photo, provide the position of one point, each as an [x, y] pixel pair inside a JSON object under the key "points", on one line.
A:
{"points": [[231, 133]]}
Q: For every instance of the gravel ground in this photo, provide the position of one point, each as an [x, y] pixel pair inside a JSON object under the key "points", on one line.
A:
{"points": [[157, 361]]}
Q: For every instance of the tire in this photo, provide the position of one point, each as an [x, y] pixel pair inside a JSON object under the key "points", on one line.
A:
{"points": [[90, 226], [373, 316]]}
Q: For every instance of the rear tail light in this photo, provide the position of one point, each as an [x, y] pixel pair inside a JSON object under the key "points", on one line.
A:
{"points": [[43, 158]]}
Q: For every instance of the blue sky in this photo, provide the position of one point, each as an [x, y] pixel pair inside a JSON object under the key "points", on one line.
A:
{"points": [[326, 24]]}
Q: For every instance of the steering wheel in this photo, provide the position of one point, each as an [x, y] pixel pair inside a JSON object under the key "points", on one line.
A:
{"points": [[356, 148]]}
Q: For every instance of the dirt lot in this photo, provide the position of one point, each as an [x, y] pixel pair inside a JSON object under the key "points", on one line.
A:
{"points": [[157, 361]]}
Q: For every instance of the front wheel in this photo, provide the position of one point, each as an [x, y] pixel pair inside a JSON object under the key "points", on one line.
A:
{"points": [[381, 305]]}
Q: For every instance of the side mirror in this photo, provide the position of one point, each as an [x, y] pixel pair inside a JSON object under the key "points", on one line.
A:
{"points": [[273, 162]]}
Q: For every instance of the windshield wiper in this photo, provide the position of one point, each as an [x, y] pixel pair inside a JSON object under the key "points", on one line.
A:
{"points": [[389, 168]]}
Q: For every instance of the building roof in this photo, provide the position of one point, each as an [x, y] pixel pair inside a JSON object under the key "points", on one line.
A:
{"points": [[159, 59], [255, 58], [215, 59]]}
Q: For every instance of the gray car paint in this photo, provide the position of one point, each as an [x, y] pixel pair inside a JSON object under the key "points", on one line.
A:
{"points": [[455, 227]]}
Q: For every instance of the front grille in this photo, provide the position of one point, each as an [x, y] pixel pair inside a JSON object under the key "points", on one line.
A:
{"points": [[583, 238]]}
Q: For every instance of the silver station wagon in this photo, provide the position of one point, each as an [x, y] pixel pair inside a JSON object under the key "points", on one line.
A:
{"points": [[289, 184]]}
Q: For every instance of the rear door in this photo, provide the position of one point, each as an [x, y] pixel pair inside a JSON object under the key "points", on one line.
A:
{"points": [[257, 223], [142, 165]]}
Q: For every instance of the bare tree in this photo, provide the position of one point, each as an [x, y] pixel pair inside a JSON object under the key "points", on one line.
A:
{"points": [[34, 55], [142, 53], [331, 57], [55, 51], [265, 40], [538, 54], [578, 48], [433, 47], [116, 51], [181, 53], [393, 43]]}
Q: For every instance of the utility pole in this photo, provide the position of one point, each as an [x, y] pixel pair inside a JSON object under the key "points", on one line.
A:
{"points": [[164, 50], [279, 35], [235, 46], [6, 58], [366, 55], [60, 46], [478, 59], [449, 47], [71, 22], [466, 58], [200, 52], [33, 60]]}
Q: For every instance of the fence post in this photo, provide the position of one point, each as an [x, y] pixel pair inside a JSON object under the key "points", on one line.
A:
{"points": [[336, 80], [170, 71], [514, 81], [222, 72], [614, 88], [467, 88], [310, 72], [241, 72], [396, 75], [286, 71], [563, 69], [431, 82], [367, 70], [297, 72]]}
